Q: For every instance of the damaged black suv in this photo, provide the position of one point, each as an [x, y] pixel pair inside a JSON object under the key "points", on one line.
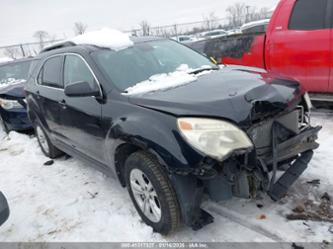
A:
{"points": [[171, 125]]}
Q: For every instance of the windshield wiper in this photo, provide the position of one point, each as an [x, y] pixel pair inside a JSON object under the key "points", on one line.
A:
{"points": [[199, 70]]}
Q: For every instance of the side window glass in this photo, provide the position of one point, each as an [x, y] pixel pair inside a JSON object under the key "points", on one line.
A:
{"points": [[76, 70], [51, 73], [308, 15]]}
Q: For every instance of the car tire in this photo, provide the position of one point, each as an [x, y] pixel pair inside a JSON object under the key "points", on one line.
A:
{"points": [[3, 125], [162, 208], [45, 144]]}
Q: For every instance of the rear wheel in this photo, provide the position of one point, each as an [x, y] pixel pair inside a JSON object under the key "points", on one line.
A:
{"points": [[45, 144], [151, 192]]}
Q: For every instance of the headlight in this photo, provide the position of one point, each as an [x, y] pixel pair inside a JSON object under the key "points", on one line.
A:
{"points": [[215, 138], [9, 104]]}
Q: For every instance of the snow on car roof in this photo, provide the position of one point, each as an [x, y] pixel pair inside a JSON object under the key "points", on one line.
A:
{"points": [[104, 38]]}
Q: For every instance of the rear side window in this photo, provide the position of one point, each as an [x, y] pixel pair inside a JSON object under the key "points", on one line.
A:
{"points": [[308, 15], [51, 72]]}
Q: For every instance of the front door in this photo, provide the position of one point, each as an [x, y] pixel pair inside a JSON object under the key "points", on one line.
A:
{"points": [[81, 117]]}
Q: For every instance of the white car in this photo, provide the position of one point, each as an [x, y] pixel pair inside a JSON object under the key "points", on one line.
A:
{"points": [[255, 27], [214, 34], [234, 32], [182, 38]]}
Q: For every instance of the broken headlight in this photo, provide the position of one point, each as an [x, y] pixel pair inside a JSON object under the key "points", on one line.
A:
{"points": [[215, 138], [9, 104]]}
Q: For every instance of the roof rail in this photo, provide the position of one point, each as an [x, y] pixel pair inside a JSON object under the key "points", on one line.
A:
{"points": [[57, 45]]}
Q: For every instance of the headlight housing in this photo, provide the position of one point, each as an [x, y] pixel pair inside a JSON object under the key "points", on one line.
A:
{"points": [[9, 104], [215, 138]]}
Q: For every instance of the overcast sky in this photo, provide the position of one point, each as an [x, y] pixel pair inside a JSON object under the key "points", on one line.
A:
{"points": [[19, 19]]}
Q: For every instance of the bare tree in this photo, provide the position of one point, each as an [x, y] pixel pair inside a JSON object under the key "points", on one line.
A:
{"points": [[264, 13], [12, 52], [175, 32], [160, 31], [145, 28], [41, 36], [254, 15], [237, 14], [240, 13], [80, 28], [210, 21]]}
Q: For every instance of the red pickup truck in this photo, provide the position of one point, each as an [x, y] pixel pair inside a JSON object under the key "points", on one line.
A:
{"points": [[297, 44]]}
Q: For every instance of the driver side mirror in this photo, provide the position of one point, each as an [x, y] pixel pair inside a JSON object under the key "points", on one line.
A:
{"points": [[4, 209], [81, 89]]}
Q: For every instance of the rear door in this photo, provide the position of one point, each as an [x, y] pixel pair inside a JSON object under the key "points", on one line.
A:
{"points": [[50, 93], [299, 43], [81, 116]]}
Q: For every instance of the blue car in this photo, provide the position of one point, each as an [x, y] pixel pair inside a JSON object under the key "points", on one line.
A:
{"points": [[13, 114]]}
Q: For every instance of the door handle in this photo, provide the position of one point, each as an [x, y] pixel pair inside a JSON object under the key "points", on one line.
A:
{"points": [[38, 94], [63, 104]]}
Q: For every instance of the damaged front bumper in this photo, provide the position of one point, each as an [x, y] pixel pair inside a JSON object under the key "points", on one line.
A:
{"points": [[284, 148], [299, 149]]}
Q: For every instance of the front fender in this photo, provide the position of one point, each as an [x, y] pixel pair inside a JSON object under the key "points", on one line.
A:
{"points": [[156, 133]]}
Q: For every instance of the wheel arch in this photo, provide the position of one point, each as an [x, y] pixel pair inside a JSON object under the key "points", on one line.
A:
{"points": [[124, 150]]}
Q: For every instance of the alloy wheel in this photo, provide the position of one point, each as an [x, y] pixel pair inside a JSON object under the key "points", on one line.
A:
{"points": [[145, 195]]}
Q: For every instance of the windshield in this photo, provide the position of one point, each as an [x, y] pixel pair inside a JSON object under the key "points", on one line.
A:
{"points": [[14, 72], [130, 66]]}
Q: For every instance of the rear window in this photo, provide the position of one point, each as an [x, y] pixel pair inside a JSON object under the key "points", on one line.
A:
{"points": [[308, 15]]}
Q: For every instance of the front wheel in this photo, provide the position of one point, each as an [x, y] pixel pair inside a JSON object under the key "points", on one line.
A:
{"points": [[45, 144], [151, 192]]}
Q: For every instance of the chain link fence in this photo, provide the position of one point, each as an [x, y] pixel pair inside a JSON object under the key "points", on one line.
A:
{"points": [[31, 49]]}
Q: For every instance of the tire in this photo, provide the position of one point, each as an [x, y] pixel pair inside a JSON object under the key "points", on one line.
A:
{"points": [[3, 125], [45, 144], [161, 192]]}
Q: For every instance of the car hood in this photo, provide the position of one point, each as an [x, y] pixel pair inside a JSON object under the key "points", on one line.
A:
{"points": [[242, 95], [13, 90]]}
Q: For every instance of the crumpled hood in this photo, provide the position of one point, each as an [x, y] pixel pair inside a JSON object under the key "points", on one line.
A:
{"points": [[13, 90], [242, 96]]}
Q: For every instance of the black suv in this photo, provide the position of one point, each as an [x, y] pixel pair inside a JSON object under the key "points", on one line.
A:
{"points": [[224, 134]]}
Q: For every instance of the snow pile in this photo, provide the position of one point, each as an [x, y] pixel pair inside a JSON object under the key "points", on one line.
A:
{"points": [[160, 82], [5, 59], [105, 38]]}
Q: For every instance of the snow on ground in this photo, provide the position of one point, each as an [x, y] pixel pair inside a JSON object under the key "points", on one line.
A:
{"points": [[70, 201]]}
